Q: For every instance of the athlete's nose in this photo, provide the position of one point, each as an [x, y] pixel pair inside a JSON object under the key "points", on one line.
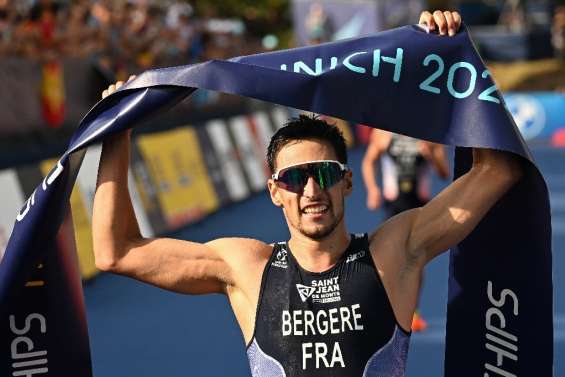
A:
{"points": [[311, 188]]}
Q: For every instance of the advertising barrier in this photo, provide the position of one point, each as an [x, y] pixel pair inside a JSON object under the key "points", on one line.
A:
{"points": [[538, 115], [176, 177], [175, 165], [12, 200]]}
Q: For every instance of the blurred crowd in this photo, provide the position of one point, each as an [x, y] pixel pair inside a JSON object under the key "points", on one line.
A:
{"points": [[122, 35]]}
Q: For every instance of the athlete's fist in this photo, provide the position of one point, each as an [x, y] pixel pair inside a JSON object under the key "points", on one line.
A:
{"points": [[112, 88], [446, 22]]}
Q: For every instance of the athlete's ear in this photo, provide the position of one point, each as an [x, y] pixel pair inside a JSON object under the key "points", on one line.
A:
{"points": [[348, 180], [274, 192]]}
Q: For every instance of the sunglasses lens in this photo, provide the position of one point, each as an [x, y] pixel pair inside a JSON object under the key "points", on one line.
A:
{"points": [[293, 179], [325, 174]]}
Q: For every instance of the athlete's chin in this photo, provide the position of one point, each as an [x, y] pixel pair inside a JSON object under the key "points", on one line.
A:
{"points": [[317, 233], [318, 227]]}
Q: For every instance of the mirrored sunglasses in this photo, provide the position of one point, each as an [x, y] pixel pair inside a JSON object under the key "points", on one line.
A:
{"points": [[325, 173]]}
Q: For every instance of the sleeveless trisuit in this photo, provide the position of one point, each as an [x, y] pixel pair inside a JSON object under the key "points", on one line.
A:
{"points": [[337, 323]]}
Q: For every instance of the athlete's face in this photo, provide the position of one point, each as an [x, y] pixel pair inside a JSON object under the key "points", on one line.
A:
{"points": [[314, 212]]}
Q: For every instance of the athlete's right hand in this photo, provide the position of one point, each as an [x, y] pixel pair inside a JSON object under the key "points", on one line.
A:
{"points": [[112, 88], [447, 22], [373, 198]]}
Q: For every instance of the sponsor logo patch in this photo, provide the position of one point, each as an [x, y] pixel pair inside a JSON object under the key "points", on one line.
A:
{"points": [[305, 291], [281, 260], [321, 291], [355, 256]]}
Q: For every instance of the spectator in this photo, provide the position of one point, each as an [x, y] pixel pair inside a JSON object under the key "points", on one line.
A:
{"points": [[124, 36]]}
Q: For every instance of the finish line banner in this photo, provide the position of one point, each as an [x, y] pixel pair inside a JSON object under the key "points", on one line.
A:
{"points": [[500, 320]]}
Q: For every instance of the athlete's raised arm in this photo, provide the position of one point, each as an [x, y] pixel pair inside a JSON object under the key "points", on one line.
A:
{"points": [[405, 243], [453, 214], [177, 265]]}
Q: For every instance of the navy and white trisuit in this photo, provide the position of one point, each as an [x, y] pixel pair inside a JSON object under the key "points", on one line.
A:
{"points": [[336, 323], [406, 175]]}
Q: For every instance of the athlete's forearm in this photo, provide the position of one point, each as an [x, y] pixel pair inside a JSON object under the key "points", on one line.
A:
{"points": [[448, 218], [506, 165], [114, 224]]}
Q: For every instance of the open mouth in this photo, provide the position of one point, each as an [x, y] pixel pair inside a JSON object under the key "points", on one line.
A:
{"points": [[316, 209]]}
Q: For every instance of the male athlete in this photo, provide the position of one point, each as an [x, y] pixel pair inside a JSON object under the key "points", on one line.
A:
{"points": [[324, 303], [405, 166], [406, 176]]}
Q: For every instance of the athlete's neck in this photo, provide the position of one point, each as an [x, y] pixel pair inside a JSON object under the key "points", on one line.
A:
{"points": [[319, 255]]}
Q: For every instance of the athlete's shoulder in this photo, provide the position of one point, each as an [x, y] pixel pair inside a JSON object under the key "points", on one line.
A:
{"points": [[241, 247]]}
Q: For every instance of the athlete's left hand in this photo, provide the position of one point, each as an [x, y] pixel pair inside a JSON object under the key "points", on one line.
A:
{"points": [[447, 22]]}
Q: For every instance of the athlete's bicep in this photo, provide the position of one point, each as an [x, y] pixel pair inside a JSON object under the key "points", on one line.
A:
{"points": [[398, 271], [177, 265], [389, 242]]}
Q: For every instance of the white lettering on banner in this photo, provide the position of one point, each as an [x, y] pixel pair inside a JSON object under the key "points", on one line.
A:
{"points": [[22, 348], [322, 322], [47, 181], [300, 66], [465, 72], [50, 178], [29, 203], [498, 340]]}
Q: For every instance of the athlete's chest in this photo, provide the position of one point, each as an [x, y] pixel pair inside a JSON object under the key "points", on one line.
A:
{"points": [[323, 324], [348, 283]]}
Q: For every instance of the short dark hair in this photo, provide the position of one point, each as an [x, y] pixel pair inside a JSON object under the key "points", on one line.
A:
{"points": [[303, 128]]}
